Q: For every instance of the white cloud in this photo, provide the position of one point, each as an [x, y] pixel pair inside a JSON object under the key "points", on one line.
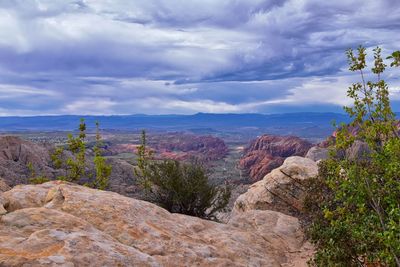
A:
{"points": [[184, 56], [90, 106], [10, 91]]}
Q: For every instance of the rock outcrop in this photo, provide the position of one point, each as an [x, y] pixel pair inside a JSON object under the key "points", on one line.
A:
{"points": [[16, 153], [358, 151], [317, 153], [3, 186], [59, 223], [281, 190], [178, 146], [268, 152]]}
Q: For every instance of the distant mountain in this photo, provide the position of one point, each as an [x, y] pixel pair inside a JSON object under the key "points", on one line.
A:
{"points": [[172, 122]]}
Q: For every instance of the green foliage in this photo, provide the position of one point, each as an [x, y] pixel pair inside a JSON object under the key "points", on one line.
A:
{"points": [[180, 187], [38, 180], [76, 165], [354, 204], [34, 179], [396, 59], [77, 145], [103, 170], [56, 157], [144, 159]]}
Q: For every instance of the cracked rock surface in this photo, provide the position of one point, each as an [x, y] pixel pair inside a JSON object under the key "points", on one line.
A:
{"points": [[281, 190], [63, 224]]}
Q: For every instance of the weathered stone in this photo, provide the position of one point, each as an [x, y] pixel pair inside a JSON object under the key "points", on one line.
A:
{"points": [[283, 230], [3, 186], [2, 210], [16, 154], [358, 151], [317, 153], [281, 190], [59, 223]]}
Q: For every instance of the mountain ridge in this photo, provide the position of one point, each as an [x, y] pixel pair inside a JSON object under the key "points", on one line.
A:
{"points": [[170, 121]]}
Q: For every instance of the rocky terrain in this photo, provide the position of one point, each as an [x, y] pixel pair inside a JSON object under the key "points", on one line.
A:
{"points": [[269, 152], [60, 223], [177, 146], [186, 146], [65, 224], [16, 153]]}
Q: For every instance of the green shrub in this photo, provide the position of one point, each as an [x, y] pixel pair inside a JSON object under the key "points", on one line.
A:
{"points": [[180, 187], [38, 180], [33, 178], [354, 204]]}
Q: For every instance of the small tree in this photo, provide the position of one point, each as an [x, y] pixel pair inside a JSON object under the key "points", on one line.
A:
{"points": [[77, 145], [103, 170], [354, 204], [143, 159], [76, 166], [180, 187], [33, 178]]}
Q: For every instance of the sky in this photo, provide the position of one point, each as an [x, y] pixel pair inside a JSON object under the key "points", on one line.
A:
{"points": [[185, 56]]}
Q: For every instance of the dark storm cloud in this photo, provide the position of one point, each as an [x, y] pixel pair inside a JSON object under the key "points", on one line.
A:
{"points": [[115, 56]]}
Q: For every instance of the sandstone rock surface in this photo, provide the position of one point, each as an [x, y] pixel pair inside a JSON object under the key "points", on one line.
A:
{"points": [[280, 190], [63, 224], [3, 186], [268, 152]]}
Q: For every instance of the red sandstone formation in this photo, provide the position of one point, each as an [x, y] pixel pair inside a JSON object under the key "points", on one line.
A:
{"points": [[187, 146], [268, 152]]}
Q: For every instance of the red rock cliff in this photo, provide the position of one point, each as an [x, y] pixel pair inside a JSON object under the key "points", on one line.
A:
{"points": [[268, 152]]}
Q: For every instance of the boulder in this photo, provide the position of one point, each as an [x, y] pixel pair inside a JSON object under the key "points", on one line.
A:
{"points": [[359, 150], [60, 223], [281, 190], [317, 153]]}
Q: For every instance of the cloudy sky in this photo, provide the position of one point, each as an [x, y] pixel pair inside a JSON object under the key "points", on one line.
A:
{"points": [[186, 56]]}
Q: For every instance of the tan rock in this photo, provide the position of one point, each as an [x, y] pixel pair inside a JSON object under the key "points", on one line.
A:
{"points": [[2, 209], [65, 224], [282, 230], [3, 186], [281, 190]]}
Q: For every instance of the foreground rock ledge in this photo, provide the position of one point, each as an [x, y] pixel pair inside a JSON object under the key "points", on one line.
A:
{"points": [[63, 224], [281, 190]]}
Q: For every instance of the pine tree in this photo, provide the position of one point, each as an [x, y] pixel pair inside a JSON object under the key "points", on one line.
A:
{"points": [[103, 170]]}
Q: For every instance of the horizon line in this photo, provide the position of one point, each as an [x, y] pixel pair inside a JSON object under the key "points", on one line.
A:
{"points": [[170, 114]]}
